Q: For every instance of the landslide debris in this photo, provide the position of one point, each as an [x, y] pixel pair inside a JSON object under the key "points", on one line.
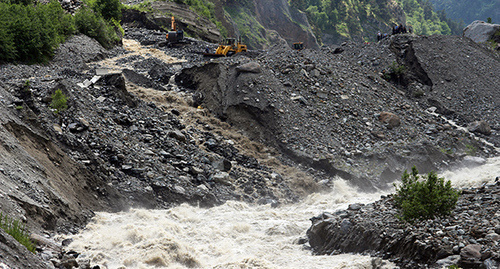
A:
{"points": [[155, 126], [336, 113]]}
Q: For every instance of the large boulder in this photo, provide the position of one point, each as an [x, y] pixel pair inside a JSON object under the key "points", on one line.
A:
{"points": [[390, 119], [481, 127], [480, 31]]}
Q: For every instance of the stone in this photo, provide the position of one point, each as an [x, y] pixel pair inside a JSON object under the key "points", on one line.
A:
{"points": [[101, 71], [95, 79], [472, 251], [448, 261], [481, 127], [355, 207], [222, 177], [315, 73], [250, 67], [480, 31], [177, 135], [57, 128], [304, 73], [179, 190], [390, 119]]}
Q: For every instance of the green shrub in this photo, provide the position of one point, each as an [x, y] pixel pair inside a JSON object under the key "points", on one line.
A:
{"points": [[109, 9], [470, 150], [30, 32], [17, 230], [397, 69], [59, 101], [419, 200], [93, 25]]}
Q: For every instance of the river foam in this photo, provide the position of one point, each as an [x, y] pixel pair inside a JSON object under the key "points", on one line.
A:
{"points": [[233, 235]]}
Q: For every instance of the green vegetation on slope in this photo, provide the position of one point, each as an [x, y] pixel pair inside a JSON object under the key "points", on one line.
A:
{"points": [[206, 9], [425, 21], [17, 230], [30, 33], [251, 31], [469, 11], [350, 18]]}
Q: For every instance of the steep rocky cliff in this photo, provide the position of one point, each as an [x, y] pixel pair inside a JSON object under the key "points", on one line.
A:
{"points": [[263, 23]]}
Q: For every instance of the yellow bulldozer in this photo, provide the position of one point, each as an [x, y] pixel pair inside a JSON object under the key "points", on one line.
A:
{"points": [[228, 47]]}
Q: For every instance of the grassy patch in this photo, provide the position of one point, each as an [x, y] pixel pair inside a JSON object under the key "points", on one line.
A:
{"points": [[17, 230], [59, 101]]}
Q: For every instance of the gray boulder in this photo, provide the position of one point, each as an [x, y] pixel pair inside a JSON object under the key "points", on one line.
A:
{"points": [[481, 127], [251, 67], [480, 31]]}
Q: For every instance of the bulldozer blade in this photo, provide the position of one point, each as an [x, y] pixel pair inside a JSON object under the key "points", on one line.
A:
{"points": [[213, 55]]}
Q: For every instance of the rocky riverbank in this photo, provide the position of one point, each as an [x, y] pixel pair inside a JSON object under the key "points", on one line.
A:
{"points": [[469, 237]]}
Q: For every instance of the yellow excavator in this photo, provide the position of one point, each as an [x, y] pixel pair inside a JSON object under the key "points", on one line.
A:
{"points": [[228, 47]]}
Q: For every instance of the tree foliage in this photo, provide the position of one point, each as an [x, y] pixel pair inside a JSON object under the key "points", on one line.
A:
{"points": [[109, 9], [31, 32], [59, 101], [354, 17], [90, 23], [469, 11], [426, 21], [424, 199]]}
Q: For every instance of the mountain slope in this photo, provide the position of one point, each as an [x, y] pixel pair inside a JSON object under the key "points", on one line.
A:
{"points": [[469, 11]]}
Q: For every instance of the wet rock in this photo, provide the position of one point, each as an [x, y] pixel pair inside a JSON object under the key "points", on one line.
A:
{"points": [[355, 207], [375, 229], [222, 177], [141, 80]]}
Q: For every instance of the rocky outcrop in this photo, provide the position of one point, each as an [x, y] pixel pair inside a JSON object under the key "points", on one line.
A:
{"points": [[187, 20], [469, 237], [289, 23], [480, 31]]}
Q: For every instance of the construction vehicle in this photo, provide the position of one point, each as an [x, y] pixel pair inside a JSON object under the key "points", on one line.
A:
{"points": [[298, 46], [228, 47], [175, 36]]}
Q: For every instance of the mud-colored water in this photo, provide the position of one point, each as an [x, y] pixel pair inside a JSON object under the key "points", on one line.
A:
{"points": [[233, 235]]}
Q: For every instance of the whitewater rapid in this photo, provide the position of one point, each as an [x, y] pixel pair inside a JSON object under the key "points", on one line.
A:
{"points": [[233, 235]]}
